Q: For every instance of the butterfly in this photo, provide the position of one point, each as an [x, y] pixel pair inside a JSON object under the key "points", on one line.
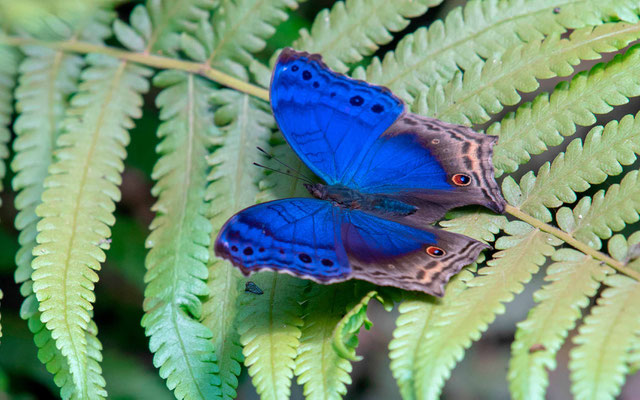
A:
{"points": [[388, 175]]}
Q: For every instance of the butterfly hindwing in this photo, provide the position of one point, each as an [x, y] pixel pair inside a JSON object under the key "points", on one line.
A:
{"points": [[327, 118], [292, 235], [315, 240], [388, 253]]}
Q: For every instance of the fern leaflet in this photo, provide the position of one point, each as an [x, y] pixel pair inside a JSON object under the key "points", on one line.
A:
{"points": [[419, 312], [572, 280], [355, 28], [475, 222], [597, 218], [245, 125], [322, 371], [345, 336], [8, 70], [240, 29], [486, 88], [598, 363], [604, 152], [461, 318], [170, 17], [78, 203], [270, 331], [482, 30], [49, 78], [543, 122]]}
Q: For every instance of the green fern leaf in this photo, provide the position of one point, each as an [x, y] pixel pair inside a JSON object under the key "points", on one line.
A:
{"points": [[598, 363], [475, 222], [417, 314], [604, 152], [355, 28], [48, 78], [461, 318], [9, 59], [322, 371], [482, 30], [597, 218], [78, 203], [179, 239], [418, 311], [171, 17], [269, 330], [486, 88], [543, 123], [241, 27], [573, 279], [345, 336], [245, 124]]}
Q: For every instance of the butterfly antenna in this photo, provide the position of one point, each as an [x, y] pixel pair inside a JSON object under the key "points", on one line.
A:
{"points": [[288, 173], [272, 157]]}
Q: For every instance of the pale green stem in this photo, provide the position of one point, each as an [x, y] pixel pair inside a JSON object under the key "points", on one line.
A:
{"points": [[145, 59], [567, 238]]}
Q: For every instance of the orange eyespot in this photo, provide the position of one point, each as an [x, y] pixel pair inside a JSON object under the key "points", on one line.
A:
{"points": [[461, 179], [434, 251]]}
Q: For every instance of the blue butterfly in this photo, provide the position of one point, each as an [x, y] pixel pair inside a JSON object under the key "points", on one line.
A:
{"points": [[389, 174]]}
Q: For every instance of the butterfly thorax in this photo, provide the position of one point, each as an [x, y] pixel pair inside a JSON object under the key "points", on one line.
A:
{"points": [[345, 197]]}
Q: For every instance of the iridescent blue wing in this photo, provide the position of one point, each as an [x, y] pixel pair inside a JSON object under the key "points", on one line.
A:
{"points": [[328, 119], [297, 236], [313, 239], [432, 165]]}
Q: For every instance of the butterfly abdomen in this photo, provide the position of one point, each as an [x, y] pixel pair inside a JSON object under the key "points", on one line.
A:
{"points": [[345, 197]]}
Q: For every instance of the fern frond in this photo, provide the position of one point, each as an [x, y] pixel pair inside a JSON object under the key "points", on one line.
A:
{"points": [[597, 218], [245, 124], [269, 330], [171, 17], [9, 60], [417, 310], [78, 203], [603, 154], [482, 30], [417, 314], [241, 28], [477, 223], [179, 239], [48, 78], [572, 280], [486, 88], [544, 122], [322, 371], [598, 363], [355, 28], [462, 317]]}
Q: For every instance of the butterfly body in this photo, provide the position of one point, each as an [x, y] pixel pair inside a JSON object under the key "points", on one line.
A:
{"points": [[342, 196], [388, 175]]}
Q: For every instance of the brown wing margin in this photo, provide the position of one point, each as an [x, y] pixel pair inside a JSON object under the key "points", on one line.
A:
{"points": [[461, 152]]}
